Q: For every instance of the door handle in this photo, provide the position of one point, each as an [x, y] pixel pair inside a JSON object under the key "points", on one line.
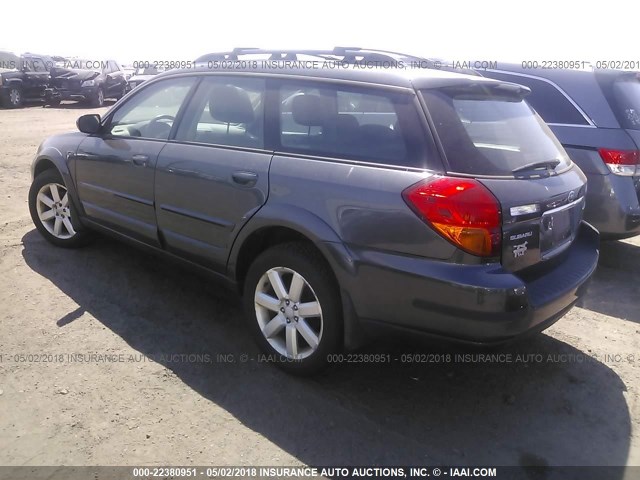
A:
{"points": [[247, 179], [140, 160]]}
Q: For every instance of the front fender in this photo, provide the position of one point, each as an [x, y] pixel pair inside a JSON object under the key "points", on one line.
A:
{"points": [[59, 152]]}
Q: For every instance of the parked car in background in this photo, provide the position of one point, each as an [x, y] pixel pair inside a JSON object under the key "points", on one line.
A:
{"points": [[596, 116], [141, 75], [338, 202], [25, 79], [92, 81], [128, 72]]}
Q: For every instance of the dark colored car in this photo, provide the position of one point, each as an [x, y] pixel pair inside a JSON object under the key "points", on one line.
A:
{"points": [[25, 80], [596, 116], [339, 202], [92, 81]]}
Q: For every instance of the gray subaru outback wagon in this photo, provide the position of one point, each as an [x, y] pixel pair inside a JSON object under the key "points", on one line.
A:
{"points": [[340, 202]]}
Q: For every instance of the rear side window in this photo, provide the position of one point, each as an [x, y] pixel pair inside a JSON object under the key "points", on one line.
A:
{"points": [[484, 134], [226, 111], [623, 94], [354, 123], [547, 100]]}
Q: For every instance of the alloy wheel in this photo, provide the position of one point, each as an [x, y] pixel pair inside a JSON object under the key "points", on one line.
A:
{"points": [[54, 210], [14, 96], [288, 313]]}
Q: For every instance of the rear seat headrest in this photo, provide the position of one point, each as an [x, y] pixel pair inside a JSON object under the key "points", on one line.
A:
{"points": [[311, 110], [229, 104]]}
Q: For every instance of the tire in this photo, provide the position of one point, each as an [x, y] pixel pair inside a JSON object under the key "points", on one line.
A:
{"points": [[98, 98], [317, 334], [55, 218], [122, 93], [14, 97]]}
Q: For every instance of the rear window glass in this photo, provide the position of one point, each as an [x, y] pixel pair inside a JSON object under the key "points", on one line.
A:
{"points": [[483, 134], [624, 97]]}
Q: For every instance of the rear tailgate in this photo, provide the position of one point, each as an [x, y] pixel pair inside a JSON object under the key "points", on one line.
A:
{"points": [[540, 217], [487, 131]]}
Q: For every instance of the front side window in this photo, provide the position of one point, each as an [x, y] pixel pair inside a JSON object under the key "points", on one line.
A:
{"points": [[226, 111], [151, 113], [35, 65], [347, 122], [491, 134]]}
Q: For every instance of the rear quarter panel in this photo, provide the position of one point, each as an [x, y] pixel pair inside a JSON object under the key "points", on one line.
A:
{"points": [[362, 204]]}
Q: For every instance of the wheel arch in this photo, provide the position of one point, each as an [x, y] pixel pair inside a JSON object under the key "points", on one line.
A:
{"points": [[51, 158], [277, 224]]}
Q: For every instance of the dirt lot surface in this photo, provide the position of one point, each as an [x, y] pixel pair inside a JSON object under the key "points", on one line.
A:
{"points": [[109, 356]]}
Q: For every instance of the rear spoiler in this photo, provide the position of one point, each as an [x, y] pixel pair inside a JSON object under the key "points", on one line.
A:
{"points": [[493, 88]]}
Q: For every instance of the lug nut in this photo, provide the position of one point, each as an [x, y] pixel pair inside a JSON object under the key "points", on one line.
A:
{"points": [[282, 309], [295, 318], [295, 307], [287, 302]]}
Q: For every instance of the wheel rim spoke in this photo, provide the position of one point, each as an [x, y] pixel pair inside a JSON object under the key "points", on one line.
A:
{"points": [[44, 199], [307, 333], [68, 226], [277, 285], [57, 226], [309, 309], [65, 200], [268, 302], [48, 215], [295, 290], [275, 325], [292, 341], [54, 192]]}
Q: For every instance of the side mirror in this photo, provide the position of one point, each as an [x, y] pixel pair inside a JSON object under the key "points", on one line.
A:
{"points": [[89, 123]]}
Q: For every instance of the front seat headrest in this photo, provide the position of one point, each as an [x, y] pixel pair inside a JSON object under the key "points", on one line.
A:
{"points": [[229, 104]]}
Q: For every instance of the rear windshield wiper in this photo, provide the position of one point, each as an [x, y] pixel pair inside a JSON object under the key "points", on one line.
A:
{"points": [[546, 164]]}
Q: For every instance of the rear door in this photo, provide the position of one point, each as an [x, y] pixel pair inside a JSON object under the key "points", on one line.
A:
{"points": [[213, 176], [489, 132]]}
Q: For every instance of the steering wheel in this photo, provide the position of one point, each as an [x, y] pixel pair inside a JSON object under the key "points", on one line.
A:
{"points": [[158, 129]]}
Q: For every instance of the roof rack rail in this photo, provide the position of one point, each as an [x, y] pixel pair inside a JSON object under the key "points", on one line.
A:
{"points": [[345, 54]]}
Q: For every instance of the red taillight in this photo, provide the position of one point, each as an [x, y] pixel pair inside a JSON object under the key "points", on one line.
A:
{"points": [[462, 210], [621, 162]]}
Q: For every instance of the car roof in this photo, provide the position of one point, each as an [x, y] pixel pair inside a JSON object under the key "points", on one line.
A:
{"points": [[348, 64], [378, 75]]}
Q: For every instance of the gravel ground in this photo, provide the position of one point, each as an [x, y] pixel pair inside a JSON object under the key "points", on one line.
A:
{"points": [[111, 357]]}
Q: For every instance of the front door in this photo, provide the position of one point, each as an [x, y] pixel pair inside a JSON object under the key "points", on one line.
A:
{"points": [[115, 169]]}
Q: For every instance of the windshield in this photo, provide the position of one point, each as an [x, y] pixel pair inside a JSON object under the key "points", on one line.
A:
{"points": [[147, 71], [485, 134]]}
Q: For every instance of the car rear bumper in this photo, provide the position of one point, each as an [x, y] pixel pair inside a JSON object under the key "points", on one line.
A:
{"points": [[613, 205], [482, 304]]}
